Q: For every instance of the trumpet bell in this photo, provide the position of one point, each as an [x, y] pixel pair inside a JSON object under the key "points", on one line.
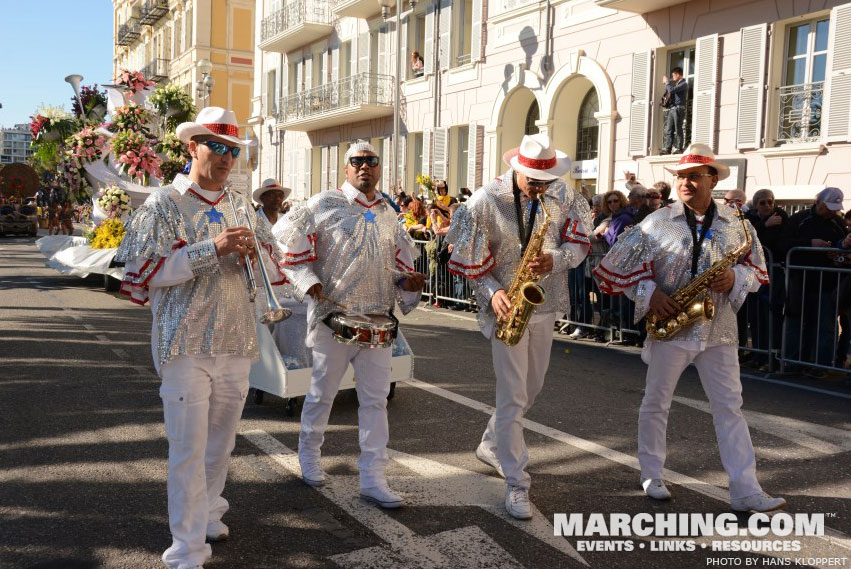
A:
{"points": [[276, 315]]}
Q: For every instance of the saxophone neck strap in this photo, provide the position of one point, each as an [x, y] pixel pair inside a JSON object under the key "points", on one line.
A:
{"points": [[524, 231], [697, 241]]}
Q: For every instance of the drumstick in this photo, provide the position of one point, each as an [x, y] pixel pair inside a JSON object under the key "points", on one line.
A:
{"points": [[322, 298]]}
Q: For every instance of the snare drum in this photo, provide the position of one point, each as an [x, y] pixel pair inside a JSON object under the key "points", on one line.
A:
{"points": [[365, 330]]}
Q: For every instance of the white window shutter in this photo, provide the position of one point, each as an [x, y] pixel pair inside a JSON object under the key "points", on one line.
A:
{"points": [[428, 51], [406, 57], [426, 168], [335, 64], [285, 77], [639, 112], [323, 173], [308, 72], [704, 107], [386, 152], [475, 156], [752, 84], [446, 34], [307, 171], [401, 157], [333, 160], [382, 50], [363, 52], [326, 67], [441, 149], [299, 76], [839, 87], [476, 47]]}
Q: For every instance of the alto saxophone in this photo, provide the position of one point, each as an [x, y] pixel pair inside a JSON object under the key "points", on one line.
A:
{"points": [[524, 293], [694, 297]]}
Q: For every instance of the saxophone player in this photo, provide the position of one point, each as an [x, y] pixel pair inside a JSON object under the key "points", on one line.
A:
{"points": [[668, 250], [489, 234]]}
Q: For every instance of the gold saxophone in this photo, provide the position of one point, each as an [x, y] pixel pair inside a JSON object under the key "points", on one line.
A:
{"points": [[694, 297], [524, 292]]}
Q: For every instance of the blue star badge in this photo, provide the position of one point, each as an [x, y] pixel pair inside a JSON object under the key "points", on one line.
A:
{"points": [[214, 215], [369, 217]]}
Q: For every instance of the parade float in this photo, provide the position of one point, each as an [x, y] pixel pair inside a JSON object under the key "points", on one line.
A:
{"points": [[115, 149]]}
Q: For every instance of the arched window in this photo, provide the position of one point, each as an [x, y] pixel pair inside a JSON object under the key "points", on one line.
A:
{"points": [[587, 131], [533, 116]]}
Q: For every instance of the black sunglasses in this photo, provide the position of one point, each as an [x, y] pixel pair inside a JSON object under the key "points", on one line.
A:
{"points": [[358, 161], [221, 148]]}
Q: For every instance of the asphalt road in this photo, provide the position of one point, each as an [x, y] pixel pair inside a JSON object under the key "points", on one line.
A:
{"points": [[82, 453]]}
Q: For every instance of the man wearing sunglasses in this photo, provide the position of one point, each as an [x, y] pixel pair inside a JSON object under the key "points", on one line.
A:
{"points": [[346, 252], [183, 250], [489, 233], [648, 264]]}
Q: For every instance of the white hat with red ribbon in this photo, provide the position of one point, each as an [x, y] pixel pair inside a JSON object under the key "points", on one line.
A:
{"points": [[537, 159], [696, 155], [268, 185], [212, 121]]}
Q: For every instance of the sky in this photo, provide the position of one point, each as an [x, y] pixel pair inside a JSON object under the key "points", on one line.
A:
{"points": [[43, 41]]}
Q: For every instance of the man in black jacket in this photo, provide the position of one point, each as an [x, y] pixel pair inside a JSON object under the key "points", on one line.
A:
{"points": [[769, 221], [811, 301]]}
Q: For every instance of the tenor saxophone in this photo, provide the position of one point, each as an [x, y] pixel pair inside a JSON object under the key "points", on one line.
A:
{"points": [[524, 293], [694, 298]]}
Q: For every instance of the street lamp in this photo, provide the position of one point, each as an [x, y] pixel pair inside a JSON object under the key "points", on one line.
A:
{"points": [[204, 86], [397, 88]]}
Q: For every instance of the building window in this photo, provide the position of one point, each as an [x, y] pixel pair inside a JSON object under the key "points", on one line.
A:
{"points": [[801, 94], [271, 100], [416, 43], [532, 117], [684, 58], [345, 69], [188, 29], [587, 131], [463, 27]]}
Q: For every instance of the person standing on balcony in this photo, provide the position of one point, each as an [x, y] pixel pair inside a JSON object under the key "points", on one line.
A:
{"points": [[489, 234], [674, 102]]}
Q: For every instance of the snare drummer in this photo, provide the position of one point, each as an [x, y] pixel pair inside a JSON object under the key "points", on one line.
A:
{"points": [[345, 250]]}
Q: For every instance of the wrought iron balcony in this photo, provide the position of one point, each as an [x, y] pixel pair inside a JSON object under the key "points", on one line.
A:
{"points": [[128, 32], [298, 23], [356, 98], [800, 112], [152, 10], [356, 8], [157, 70]]}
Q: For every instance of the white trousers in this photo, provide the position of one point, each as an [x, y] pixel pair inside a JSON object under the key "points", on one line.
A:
{"points": [[372, 370], [203, 397], [520, 372], [718, 367]]}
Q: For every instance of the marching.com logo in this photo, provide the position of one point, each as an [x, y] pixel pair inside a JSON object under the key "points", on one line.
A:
{"points": [[683, 525]]}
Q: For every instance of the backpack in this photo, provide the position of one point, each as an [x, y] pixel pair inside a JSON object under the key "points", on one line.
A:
{"points": [[667, 99]]}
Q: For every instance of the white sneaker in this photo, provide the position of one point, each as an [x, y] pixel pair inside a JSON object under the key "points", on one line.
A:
{"points": [[577, 334], [217, 531], [517, 502], [312, 473], [383, 496], [656, 489], [761, 502], [485, 455]]}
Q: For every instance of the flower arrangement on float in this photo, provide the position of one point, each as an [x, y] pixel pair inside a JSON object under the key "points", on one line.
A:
{"points": [[175, 156], [173, 104], [134, 156], [113, 201], [129, 117], [93, 100], [87, 145], [107, 235], [132, 81]]}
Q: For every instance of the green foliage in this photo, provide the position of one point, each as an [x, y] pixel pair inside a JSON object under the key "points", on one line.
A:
{"points": [[173, 103]]}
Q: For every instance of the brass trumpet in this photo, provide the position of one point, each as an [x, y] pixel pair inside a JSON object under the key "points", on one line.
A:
{"points": [[276, 312]]}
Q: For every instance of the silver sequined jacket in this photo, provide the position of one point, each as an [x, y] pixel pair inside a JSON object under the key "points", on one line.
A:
{"points": [[209, 314], [657, 253], [487, 250], [355, 249]]}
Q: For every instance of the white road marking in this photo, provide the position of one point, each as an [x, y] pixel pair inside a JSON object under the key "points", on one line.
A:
{"points": [[100, 337], [407, 549], [822, 439], [831, 535], [120, 353]]}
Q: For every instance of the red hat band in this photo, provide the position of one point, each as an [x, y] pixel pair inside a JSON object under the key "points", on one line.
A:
{"points": [[222, 128], [542, 164], [696, 159]]}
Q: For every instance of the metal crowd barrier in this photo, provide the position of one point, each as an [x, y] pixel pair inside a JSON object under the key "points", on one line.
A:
{"points": [[801, 318]]}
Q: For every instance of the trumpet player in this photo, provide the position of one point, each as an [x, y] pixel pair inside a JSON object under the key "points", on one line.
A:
{"points": [[184, 250], [669, 249], [489, 235]]}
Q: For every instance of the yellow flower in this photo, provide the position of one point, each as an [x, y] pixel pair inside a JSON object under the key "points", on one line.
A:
{"points": [[108, 234]]}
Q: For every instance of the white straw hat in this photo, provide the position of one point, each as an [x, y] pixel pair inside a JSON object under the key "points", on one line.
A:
{"points": [[696, 155], [537, 159], [268, 185], [212, 121]]}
